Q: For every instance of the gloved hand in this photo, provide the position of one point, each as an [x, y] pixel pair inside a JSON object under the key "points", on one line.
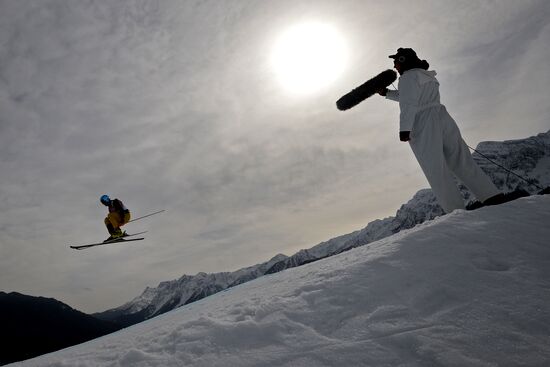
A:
{"points": [[382, 91], [404, 135]]}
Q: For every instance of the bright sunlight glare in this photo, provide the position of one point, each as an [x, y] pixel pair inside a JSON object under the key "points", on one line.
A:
{"points": [[308, 57]]}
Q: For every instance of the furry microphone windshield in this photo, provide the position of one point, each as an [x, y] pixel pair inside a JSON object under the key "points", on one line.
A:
{"points": [[365, 90]]}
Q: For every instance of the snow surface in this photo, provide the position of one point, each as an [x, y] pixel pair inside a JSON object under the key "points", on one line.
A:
{"points": [[465, 289]]}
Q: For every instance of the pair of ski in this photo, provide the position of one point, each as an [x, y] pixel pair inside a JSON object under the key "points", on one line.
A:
{"points": [[120, 239], [114, 240]]}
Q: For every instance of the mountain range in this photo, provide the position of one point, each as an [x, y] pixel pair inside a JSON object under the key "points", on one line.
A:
{"points": [[38, 325], [32, 326], [528, 158]]}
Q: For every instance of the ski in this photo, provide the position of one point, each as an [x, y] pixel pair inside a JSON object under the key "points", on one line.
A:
{"points": [[116, 240]]}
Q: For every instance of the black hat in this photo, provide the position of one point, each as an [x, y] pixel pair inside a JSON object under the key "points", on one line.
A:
{"points": [[404, 55]]}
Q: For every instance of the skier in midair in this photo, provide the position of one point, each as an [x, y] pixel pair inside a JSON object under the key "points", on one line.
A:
{"points": [[434, 136], [118, 216]]}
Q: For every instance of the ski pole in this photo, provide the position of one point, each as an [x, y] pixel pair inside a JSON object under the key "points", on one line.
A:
{"points": [[504, 168], [148, 215]]}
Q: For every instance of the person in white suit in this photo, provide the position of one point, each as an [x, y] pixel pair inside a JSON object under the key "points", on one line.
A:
{"points": [[434, 136]]}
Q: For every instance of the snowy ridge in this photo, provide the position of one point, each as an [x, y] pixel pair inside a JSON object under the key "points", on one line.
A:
{"points": [[528, 157], [466, 289], [189, 288]]}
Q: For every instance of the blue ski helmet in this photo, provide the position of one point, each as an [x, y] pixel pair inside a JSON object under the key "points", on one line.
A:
{"points": [[105, 199]]}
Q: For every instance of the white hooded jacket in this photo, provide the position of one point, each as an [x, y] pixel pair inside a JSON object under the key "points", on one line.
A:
{"points": [[418, 89], [436, 141]]}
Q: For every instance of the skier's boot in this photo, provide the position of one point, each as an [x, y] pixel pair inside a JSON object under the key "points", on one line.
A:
{"points": [[111, 230], [495, 200], [504, 198], [117, 233], [474, 205]]}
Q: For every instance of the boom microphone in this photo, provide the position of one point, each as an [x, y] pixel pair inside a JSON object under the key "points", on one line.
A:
{"points": [[365, 90]]}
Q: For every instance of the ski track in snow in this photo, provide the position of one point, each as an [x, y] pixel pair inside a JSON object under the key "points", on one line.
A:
{"points": [[466, 289]]}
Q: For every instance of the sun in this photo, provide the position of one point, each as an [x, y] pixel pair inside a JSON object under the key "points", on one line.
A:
{"points": [[308, 57]]}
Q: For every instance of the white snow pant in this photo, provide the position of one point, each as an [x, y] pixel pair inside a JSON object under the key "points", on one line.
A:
{"points": [[439, 149]]}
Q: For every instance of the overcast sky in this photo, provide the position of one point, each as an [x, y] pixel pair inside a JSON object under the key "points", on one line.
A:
{"points": [[175, 105]]}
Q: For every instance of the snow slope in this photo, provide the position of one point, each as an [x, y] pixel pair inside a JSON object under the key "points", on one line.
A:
{"points": [[465, 289], [528, 157]]}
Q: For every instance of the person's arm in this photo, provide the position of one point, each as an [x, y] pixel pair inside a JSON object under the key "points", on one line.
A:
{"points": [[119, 206], [389, 94], [408, 104], [392, 95]]}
